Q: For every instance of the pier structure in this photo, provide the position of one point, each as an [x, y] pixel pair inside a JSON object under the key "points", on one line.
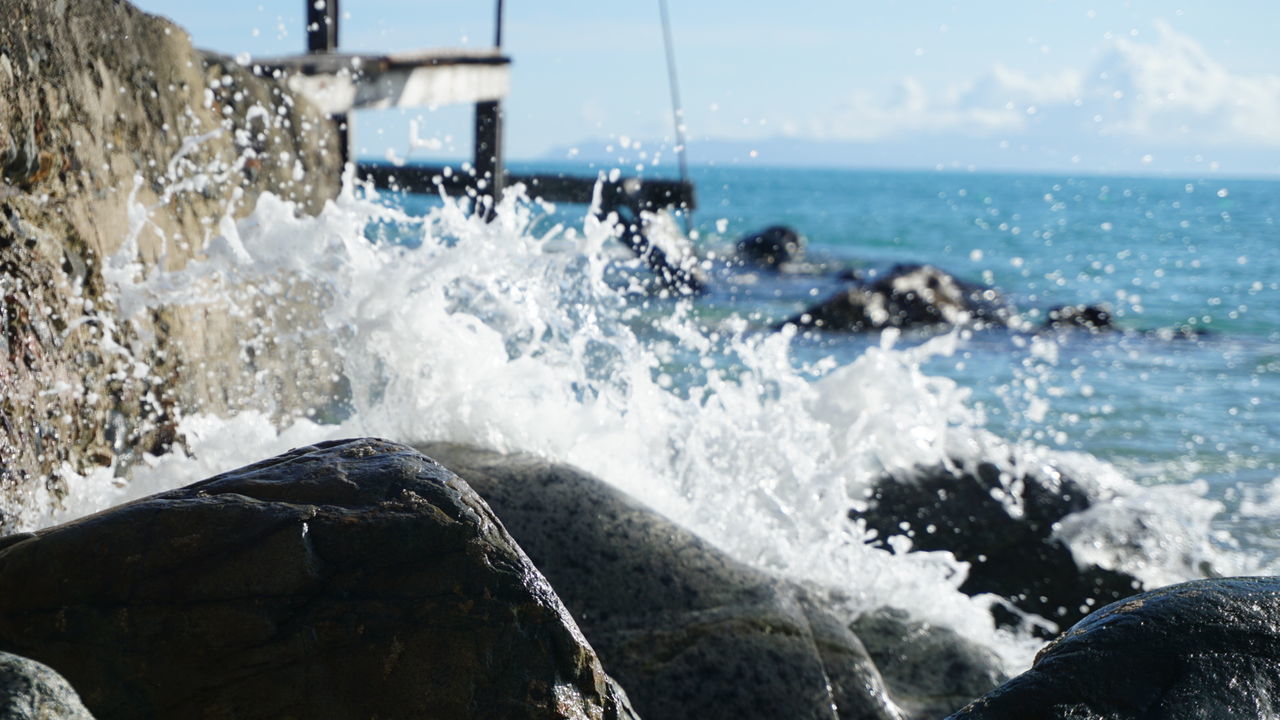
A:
{"points": [[340, 83]]}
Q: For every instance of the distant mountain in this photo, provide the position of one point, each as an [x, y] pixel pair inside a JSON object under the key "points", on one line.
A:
{"points": [[953, 151]]}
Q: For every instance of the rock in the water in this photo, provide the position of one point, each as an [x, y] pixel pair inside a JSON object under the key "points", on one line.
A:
{"points": [[771, 247], [348, 579], [1093, 318], [931, 669], [32, 691], [907, 296], [688, 631], [1003, 526], [1202, 649]]}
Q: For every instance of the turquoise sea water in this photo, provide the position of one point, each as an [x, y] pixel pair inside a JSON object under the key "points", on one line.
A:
{"points": [[1161, 253]]}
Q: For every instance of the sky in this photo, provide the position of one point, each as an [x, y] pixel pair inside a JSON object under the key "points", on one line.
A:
{"points": [[1183, 87]]}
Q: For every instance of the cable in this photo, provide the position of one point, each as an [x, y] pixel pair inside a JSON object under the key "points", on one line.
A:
{"points": [[677, 111]]}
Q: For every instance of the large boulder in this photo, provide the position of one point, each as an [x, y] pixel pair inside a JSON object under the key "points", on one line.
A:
{"points": [[907, 296], [348, 579], [1003, 525], [32, 691], [931, 669], [689, 632], [120, 143], [1202, 649]]}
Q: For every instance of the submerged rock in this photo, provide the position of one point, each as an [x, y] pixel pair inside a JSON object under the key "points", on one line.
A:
{"points": [[907, 296], [1003, 526], [32, 691], [1202, 649], [1093, 318], [689, 632], [773, 246], [348, 579]]}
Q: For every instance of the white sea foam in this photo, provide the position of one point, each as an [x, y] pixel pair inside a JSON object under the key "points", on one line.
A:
{"points": [[490, 334]]}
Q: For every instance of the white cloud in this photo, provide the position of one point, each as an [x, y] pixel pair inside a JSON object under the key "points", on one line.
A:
{"points": [[907, 110], [1164, 93]]}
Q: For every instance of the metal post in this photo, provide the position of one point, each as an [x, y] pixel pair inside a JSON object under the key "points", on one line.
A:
{"points": [[322, 37], [322, 25], [497, 32], [487, 148]]}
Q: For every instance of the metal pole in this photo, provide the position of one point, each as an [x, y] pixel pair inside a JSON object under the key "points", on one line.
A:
{"points": [[322, 37], [487, 148], [497, 32], [322, 25]]}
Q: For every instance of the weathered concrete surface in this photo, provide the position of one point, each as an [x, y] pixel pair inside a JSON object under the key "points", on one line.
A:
{"points": [[99, 101], [688, 631], [351, 579], [1201, 649], [31, 691]]}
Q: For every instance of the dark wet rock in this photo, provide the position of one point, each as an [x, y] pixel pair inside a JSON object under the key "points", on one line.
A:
{"points": [[348, 579], [907, 296], [1202, 649], [1004, 527], [100, 105], [1180, 332], [1093, 318], [32, 691], [771, 247], [1098, 319], [931, 669], [688, 631], [676, 268]]}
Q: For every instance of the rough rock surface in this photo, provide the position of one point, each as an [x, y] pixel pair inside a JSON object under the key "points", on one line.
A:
{"points": [[349, 579], [970, 512], [1202, 649], [907, 296], [31, 691], [931, 669], [98, 102], [688, 631]]}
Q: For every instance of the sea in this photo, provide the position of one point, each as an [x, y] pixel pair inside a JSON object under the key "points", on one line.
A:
{"points": [[537, 331]]}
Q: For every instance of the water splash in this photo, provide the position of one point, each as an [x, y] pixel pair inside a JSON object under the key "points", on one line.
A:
{"points": [[496, 334]]}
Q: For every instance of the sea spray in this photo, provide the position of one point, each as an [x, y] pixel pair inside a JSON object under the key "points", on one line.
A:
{"points": [[496, 334]]}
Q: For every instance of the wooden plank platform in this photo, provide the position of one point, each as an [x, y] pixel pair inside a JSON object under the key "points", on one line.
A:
{"points": [[338, 83]]}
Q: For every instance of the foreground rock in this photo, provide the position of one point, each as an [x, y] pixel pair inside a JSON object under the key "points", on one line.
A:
{"points": [[931, 670], [349, 579], [1203, 649], [31, 691], [105, 110], [688, 631], [1003, 526], [907, 296]]}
